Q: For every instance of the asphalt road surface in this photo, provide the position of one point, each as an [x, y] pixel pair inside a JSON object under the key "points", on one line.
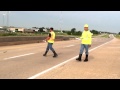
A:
{"points": [[27, 61]]}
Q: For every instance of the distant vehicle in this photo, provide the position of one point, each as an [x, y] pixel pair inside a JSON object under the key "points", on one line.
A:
{"points": [[35, 29]]}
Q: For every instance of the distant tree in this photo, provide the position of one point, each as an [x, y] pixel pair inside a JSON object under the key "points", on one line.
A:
{"points": [[69, 32], [73, 30], [34, 27], [41, 29], [119, 33], [64, 31], [95, 32], [78, 33]]}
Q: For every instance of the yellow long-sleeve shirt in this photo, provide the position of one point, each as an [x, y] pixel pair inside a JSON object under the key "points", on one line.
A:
{"points": [[86, 37]]}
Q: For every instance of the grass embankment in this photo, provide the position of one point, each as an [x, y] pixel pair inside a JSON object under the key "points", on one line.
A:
{"points": [[117, 36]]}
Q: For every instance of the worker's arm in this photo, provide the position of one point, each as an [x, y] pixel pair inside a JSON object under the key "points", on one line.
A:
{"points": [[48, 37], [90, 39], [81, 36]]}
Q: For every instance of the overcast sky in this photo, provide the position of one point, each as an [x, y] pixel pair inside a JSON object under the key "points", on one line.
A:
{"points": [[66, 20]]}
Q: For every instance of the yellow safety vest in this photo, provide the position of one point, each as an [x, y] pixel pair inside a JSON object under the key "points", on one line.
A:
{"points": [[52, 38], [86, 37]]}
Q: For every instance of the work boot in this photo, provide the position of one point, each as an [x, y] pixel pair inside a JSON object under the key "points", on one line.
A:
{"points": [[79, 58], [86, 58], [45, 53], [55, 54]]}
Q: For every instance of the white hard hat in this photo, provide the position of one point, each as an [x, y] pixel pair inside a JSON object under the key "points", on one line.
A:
{"points": [[86, 25]]}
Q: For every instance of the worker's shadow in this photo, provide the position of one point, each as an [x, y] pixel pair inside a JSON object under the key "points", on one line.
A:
{"points": [[91, 57], [49, 54]]}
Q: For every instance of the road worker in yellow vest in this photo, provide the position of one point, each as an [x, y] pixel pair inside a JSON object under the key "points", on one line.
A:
{"points": [[50, 40], [86, 41]]}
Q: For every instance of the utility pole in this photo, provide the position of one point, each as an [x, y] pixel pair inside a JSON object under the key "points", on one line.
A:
{"points": [[61, 22], [3, 19], [7, 18]]}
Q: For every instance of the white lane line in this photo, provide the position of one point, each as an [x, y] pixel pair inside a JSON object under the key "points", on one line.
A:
{"points": [[33, 77], [45, 71], [18, 56], [70, 46]]}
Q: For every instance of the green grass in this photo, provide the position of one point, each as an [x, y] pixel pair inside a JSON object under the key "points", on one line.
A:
{"points": [[117, 36], [30, 34], [22, 34], [38, 34]]}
